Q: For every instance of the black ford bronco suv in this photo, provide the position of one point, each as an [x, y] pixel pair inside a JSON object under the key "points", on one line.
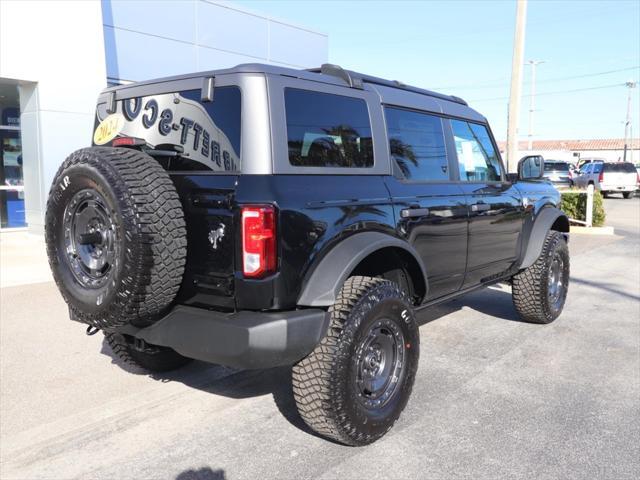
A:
{"points": [[261, 216]]}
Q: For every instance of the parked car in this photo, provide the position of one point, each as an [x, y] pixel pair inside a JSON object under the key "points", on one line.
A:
{"points": [[262, 216], [586, 160], [558, 173], [609, 177]]}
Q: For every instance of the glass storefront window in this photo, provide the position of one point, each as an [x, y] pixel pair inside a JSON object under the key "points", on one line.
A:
{"points": [[12, 213]]}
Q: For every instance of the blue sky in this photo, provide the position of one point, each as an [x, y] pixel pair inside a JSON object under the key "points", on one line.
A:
{"points": [[465, 48]]}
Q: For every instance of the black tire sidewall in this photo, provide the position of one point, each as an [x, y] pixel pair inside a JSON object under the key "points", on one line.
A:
{"points": [[557, 247], [386, 300], [91, 301]]}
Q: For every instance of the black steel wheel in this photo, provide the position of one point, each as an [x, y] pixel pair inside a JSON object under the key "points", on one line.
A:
{"points": [[353, 387], [380, 360], [90, 238]]}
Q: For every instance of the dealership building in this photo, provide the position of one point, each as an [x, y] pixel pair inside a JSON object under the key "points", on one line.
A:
{"points": [[55, 57]]}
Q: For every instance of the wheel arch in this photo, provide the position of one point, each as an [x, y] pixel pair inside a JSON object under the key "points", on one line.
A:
{"points": [[549, 218], [367, 253]]}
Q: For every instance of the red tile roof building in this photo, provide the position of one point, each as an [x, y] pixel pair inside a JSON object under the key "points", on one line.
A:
{"points": [[576, 145]]}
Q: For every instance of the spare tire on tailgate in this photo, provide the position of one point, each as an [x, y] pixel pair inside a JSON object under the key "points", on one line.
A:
{"points": [[116, 237]]}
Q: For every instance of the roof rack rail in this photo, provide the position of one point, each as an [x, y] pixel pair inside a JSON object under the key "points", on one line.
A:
{"points": [[337, 71], [357, 80]]}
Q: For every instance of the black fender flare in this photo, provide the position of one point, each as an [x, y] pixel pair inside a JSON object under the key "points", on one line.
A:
{"points": [[322, 284], [541, 225]]}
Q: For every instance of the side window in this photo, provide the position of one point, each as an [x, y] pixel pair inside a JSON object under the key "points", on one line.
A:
{"points": [[477, 159], [597, 167], [416, 142], [326, 130]]}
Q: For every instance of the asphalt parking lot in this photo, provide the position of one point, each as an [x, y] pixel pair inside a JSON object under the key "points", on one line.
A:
{"points": [[494, 397]]}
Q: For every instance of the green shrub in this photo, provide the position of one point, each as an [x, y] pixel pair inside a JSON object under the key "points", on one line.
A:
{"points": [[575, 206]]}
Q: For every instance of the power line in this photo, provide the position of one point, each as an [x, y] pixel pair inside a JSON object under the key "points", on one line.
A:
{"points": [[483, 86], [553, 93]]}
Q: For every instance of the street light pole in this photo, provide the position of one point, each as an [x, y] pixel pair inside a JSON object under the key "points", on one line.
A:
{"points": [[516, 85], [532, 99], [627, 124]]}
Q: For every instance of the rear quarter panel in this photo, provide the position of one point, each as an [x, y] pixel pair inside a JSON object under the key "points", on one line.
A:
{"points": [[315, 212]]}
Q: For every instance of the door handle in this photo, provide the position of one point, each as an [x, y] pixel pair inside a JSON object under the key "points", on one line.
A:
{"points": [[414, 212], [480, 207]]}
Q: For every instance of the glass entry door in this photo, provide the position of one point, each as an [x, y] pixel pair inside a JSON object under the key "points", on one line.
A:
{"points": [[12, 211]]}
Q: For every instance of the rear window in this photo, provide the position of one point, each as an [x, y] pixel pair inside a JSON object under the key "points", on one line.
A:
{"points": [[556, 166], [209, 132], [326, 130], [621, 167]]}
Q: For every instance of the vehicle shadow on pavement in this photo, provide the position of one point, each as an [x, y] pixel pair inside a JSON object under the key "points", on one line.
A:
{"points": [[606, 286], [494, 301], [241, 384], [202, 474], [229, 382]]}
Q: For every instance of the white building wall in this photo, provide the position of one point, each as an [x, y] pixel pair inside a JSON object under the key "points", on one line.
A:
{"points": [[61, 53], [55, 50], [177, 37]]}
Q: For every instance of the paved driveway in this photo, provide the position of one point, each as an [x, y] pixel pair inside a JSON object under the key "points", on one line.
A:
{"points": [[494, 397]]}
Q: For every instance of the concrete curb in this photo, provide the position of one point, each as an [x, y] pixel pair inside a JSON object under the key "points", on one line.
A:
{"points": [[591, 230]]}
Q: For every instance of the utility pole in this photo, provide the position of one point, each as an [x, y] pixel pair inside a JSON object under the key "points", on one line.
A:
{"points": [[516, 85], [532, 99], [627, 124]]}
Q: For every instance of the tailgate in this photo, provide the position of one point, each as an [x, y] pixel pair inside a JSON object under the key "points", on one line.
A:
{"points": [[619, 179], [208, 201]]}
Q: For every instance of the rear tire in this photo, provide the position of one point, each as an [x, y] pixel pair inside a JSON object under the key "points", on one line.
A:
{"points": [[152, 359], [539, 291], [627, 194], [353, 387], [116, 237]]}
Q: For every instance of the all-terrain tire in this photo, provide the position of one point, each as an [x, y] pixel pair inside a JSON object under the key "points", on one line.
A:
{"points": [[142, 244], [325, 382], [531, 288], [153, 359]]}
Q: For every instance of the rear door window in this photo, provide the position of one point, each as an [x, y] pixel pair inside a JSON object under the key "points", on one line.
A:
{"points": [[327, 130], [416, 143], [477, 158], [556, 167]]}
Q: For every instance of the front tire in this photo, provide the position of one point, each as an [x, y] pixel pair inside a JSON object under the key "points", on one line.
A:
{"points": [[540, 291], [627, 194], [355, 384]]}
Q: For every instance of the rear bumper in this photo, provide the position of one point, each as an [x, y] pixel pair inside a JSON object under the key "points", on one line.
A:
{"points": [[243, 339], [617, 188]]}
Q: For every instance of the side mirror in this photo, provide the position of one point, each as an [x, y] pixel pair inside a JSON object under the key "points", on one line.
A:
{"points": [[531, 167]]}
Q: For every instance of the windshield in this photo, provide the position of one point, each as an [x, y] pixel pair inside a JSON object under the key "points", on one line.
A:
{"points": [[622, 167], [556, 166]]}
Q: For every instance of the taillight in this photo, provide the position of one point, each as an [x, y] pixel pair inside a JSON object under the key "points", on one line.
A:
{"points": [[127, 142], [638, 178], [601, 177], [259, 254]]}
